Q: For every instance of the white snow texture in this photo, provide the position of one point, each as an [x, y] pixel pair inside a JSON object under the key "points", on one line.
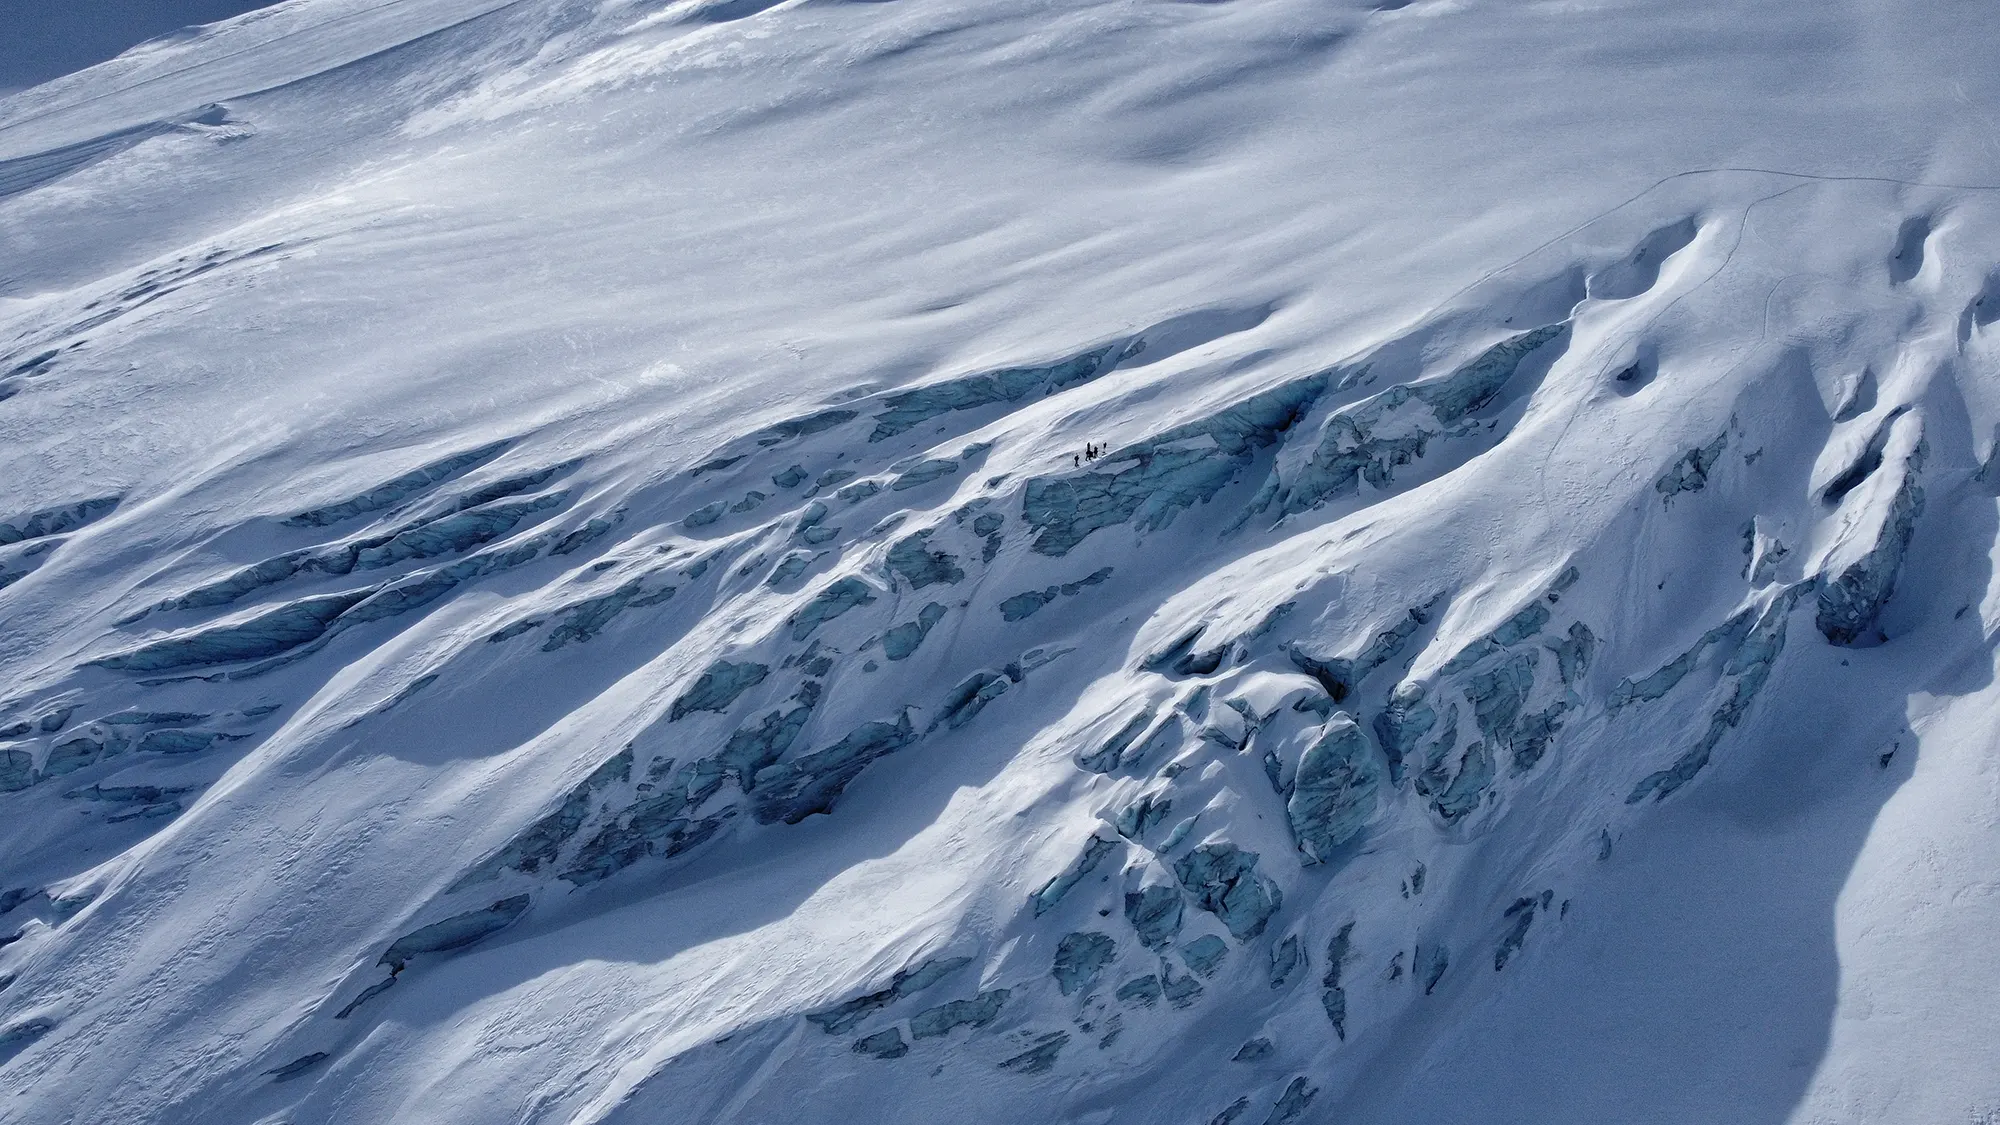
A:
{"points": [[549, 572]]}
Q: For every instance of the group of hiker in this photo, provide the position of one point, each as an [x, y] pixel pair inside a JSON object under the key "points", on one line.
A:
{"points": [[1090, 453]]}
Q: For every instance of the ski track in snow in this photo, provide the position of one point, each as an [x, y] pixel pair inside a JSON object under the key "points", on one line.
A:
{"points": [[549, 573]]}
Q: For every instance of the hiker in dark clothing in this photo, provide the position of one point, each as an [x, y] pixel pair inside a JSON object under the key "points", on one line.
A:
{"points": [[1078, 458]]}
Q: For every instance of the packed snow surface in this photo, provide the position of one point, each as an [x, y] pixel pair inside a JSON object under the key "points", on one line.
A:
{"points": [[550, 571]]}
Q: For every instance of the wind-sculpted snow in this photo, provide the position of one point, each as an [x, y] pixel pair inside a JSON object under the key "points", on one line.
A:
{"points": [[1640, 270], [556, 592]]}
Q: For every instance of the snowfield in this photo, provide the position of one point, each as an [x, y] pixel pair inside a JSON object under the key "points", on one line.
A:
{"points": [[548, 573]]}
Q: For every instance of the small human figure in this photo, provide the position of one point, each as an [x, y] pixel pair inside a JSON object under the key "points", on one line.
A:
{"points": [[1078, 459]]}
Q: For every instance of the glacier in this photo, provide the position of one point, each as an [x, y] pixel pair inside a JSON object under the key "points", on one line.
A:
{"points": [[551, 572]]}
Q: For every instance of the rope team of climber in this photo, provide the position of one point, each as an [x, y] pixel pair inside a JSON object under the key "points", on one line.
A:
{"points": [[1090, 453]]}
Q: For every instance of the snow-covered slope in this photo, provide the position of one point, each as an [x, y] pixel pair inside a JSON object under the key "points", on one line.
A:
{"points": [[549, 572]]}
